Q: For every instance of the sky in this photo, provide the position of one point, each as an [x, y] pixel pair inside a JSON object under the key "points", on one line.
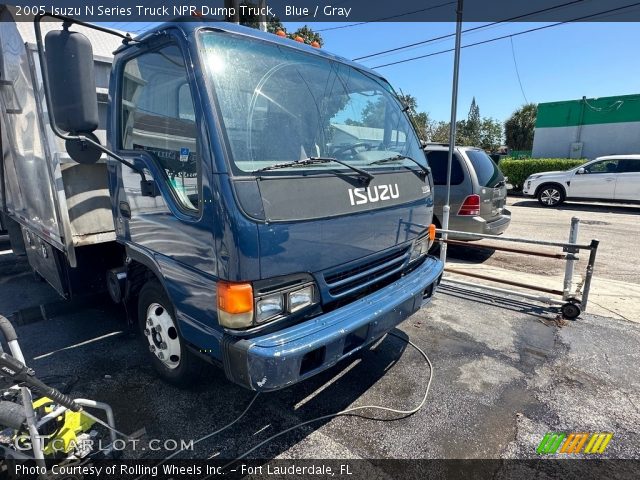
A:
{"points": [[560, 63]]}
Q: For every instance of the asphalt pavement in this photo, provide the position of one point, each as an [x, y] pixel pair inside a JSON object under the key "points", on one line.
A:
{"points": [[616, 282], [616, 226], [505, 373]]}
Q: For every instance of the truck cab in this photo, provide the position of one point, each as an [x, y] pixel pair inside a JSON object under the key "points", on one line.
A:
{"points": [[283, 220]]}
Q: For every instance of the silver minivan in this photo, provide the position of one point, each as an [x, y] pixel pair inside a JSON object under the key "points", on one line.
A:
{"points": [[478, 190]]}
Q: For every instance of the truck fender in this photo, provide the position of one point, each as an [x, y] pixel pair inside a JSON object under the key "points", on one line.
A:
{"points": [[141, 267]]}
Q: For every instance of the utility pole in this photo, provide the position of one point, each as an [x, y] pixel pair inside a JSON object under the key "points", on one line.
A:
{"points": [[235, 4], [262, 4], [235, 18], [446, 210]]}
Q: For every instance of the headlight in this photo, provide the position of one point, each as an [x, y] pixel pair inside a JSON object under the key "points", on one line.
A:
{"points": [[246, 305], [533, 177], [420, 248], [302, 298], [269, 307]]}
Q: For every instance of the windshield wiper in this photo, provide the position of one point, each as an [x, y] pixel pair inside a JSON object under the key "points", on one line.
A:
{"points": [[426, 170], [366, 176]]}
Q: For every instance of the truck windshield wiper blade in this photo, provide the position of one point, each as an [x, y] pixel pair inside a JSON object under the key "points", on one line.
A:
{"points": [[396, 158], [313, 161]]}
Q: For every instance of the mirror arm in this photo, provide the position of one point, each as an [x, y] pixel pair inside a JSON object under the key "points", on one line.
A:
{"points": [[126, 38], [104, 149], [47, 92]]}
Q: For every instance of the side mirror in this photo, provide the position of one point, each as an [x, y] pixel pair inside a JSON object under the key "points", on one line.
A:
{"points": [[82, 151], [70, 88], [581, 171], [72, 81]]}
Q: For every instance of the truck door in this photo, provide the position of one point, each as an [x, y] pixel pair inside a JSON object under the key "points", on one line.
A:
{"points": [[159, 129]]}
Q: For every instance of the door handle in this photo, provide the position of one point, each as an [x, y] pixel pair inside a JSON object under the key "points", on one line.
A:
{"points": [[125, 209], [610, 179]]}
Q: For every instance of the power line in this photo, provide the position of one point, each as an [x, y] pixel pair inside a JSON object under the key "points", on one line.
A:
{"points": [[470, 45], [515, 64], [422, 42], [509, 35], [388, 18]]}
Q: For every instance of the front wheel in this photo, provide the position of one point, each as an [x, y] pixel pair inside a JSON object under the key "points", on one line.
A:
{"points": [[550, 195], [166, 349]]}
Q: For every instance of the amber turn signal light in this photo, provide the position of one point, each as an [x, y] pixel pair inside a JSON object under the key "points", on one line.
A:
{"points": [[432, 232], [235, 297]]}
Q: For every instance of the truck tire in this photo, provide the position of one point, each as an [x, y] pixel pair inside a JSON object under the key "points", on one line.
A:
{"points": [[162, 341], [550, 195]]}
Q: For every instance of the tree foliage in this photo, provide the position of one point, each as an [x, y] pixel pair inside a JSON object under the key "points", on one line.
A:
{"points": [[308, 36], [490, 134], [424, 125], [304, 34], [372, 115], [471, 129], [475, 131], [274, 25], [489, 137], [440, 133], [410, 103], [483, 132], [421, 120], [519, 128]]}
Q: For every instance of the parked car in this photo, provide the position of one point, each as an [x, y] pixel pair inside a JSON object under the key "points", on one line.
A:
{"points": [[478, 190], [610, 178]]}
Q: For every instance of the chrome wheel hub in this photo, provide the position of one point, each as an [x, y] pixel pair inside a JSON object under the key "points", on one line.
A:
{"points": [[550, 196], [162, 335]]}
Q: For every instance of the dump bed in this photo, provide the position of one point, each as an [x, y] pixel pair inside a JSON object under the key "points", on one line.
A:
{"points": [[64, 203]]}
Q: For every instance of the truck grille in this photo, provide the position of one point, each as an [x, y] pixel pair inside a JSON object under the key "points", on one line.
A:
{"points": [[355, 278]]}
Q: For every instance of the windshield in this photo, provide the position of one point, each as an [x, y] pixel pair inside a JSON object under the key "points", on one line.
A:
{"points": [[281, 105], [488, 173]]}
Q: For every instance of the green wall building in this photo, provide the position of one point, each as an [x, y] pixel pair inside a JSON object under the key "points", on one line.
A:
{"points": [[588, 128]]}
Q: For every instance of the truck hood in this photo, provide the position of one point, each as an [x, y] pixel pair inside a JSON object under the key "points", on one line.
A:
{"points": [[315, 223]]}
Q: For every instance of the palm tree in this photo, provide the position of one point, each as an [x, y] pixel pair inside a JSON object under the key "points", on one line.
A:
{"points": [[519, 128]]}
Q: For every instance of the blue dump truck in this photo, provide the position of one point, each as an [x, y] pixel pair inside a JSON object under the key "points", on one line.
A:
{"points": [[252, 201]]}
